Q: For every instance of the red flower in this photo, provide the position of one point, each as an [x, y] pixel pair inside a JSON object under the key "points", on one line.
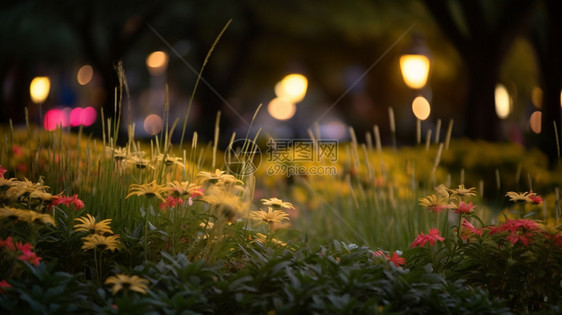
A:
{"points": [[68, 201], [30, 257], [24, 247], [421, 239], [524, 238], [465, 208], [536, 199], [467, 226], [2, 171], [397, 260], [7, 243], [170, 202], [4, 284]]}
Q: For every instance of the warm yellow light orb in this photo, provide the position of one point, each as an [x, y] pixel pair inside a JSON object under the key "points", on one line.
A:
{"points": [[503, 101], [415, 70], [421, 108], [157, 62], [537, 97], [281, 109], [39, 89], [85, 74], [535, 122], [292, 88]]}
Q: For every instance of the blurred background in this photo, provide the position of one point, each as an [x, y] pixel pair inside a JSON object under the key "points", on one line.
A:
{"points": [[494, 67]]}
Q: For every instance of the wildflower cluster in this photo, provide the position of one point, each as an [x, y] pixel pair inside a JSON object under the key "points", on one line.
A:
{"points": [[100, 234], [19, 250]]}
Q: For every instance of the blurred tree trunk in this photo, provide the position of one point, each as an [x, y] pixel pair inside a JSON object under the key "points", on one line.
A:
{"points": [[547, 40], [482, 43]]}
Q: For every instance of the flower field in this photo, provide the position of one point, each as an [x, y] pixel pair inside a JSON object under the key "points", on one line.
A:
{"points": [[91, 226]]}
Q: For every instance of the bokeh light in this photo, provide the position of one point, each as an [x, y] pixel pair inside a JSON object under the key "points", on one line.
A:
{"points": [[537, 96], [85, 74], [39, 89], [157, 62], [503, 101], [153, 124], [421, 108], [415, 70], [535, 122], [54, 119], [292, 88], [88, 116], [281, 109], [75, 117]]}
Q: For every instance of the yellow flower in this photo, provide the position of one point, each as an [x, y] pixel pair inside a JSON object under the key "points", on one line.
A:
{"points": [[24, 188], [89, 224], [277, 203], [227, 204], [15, 214], [271, 216], [180, 189], [205, 178], [518, 197], [124, 282], [441, 191], [94, 241], [462, 191], [41, 218], [170, 160], [435, 203], [139, 162], [41, 195], [148, 190], [262, 238], [6, 183], [118, 153]]}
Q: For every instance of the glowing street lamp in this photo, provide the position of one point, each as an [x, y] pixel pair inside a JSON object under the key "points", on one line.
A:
{"points": [[39, 89]]}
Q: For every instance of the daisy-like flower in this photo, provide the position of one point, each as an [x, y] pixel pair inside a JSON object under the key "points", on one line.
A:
{"points": [[139, 162], [464, 208], [277, 203], [96, 241], [184, 189], [228, 205], [518, 197], [435, 203], [89, 224], [431, 238], [170, 160], [271, 216], [462, 191], [5, 184], [24, 188], [441, 191], [262, 238], [148, 190], [13, 214], [40, 195], [210, 178], [68, 201], [125, 283], [41, 218], [118, 153]]}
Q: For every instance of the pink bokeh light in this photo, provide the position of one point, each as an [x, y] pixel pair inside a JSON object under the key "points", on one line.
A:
{"points": [[88, 116], [57, 117]]}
